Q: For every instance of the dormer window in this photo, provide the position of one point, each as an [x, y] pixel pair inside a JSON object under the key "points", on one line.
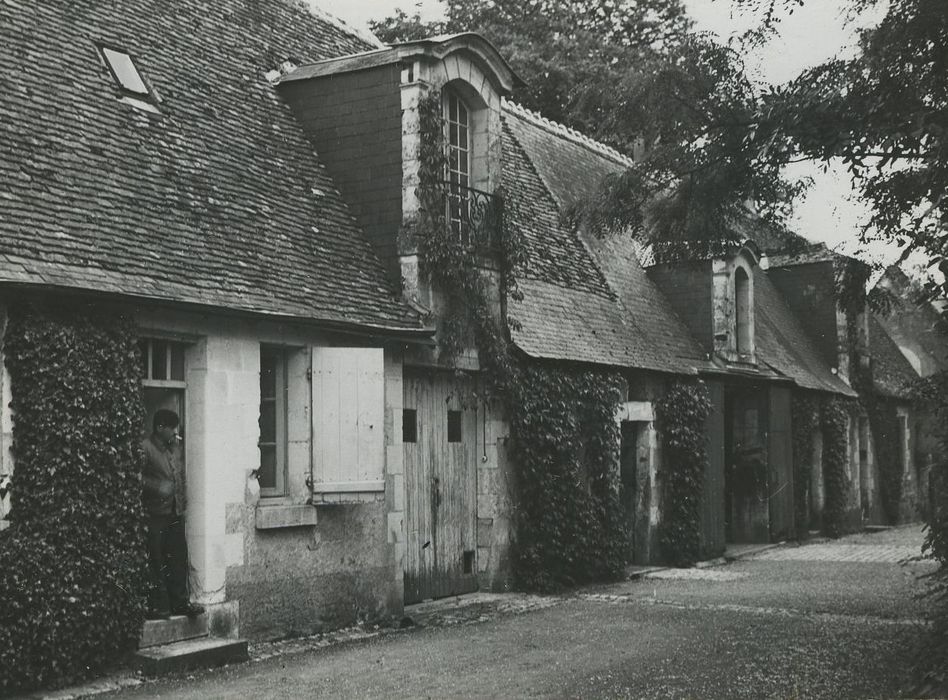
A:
{"points": [[128, 78], [742, 313], [733, 310]]}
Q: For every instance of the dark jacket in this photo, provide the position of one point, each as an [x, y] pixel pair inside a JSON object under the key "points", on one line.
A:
{"points": [[158, 477]]}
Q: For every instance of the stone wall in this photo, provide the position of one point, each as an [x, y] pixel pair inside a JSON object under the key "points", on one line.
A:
{"points": [[275, 566]]}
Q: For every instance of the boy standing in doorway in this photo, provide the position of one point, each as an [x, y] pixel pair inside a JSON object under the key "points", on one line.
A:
{"points": [[167, 547]]}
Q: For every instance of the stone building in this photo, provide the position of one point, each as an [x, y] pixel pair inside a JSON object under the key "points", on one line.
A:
{"points": [[240, 178]]}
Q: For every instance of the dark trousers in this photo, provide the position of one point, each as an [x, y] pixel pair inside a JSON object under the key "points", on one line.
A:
{"points": [[168, 559]]}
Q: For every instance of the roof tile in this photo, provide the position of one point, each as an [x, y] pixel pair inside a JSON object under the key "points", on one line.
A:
{"points": [[212, 200]]}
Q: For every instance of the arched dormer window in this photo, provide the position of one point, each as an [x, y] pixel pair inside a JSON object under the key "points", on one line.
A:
{"points": [[743, 320], [457, 119]]}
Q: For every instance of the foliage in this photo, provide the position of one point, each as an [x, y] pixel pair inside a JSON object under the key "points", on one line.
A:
{"points": [[834, 422], [630, 73], [565, 443], [72, 564], [448, 263], [882, 113], [681, 414], [564, 436], [932, 667], [805, 420], [567, 52]]}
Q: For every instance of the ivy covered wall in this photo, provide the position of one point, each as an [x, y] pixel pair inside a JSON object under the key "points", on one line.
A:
{"points": [[72, 564]]}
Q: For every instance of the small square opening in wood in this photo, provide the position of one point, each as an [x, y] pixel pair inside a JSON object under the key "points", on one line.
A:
{"points": [[409, 425], [454, 426]]}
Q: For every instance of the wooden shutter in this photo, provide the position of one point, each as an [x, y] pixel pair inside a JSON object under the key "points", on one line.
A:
{"points": [[348, 420]]}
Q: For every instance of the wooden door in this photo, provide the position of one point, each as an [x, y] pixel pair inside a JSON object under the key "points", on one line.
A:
{"points": [[440, 447]]}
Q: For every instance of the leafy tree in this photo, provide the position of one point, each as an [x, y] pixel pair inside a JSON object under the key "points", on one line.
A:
{"points": [[567, 52], [883, 112], [632, 75]]}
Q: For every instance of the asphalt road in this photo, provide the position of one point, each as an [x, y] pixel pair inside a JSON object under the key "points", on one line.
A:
{"points": [[835, 620]]}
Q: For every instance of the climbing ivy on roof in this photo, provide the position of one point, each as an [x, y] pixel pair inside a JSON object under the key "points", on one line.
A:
{"points": [[72, 563]]}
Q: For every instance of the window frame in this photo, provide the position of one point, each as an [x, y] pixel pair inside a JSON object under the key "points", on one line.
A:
{"points": [[280, 401], [459, 180], [168, 383], [148, 99], [743, 310]]}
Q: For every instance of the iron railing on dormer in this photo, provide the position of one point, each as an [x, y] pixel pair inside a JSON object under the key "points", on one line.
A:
{"points": [[474, 216]]}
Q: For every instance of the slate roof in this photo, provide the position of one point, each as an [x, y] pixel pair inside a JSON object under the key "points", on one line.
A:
{"points": [[892, 375], [783, 345], [638, 329], [584, 300], [217, 200], [813, 253], [913, 319]]}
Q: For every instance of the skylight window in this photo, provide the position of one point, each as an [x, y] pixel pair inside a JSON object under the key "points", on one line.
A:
{"points": [[126, 74]]}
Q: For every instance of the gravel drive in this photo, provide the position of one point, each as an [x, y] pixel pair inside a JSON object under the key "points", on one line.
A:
{"points": [[764, 627]]}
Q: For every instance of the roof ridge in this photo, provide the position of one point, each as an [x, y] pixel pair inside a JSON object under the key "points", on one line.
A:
{"points": [[364, 34], [567, 132]]}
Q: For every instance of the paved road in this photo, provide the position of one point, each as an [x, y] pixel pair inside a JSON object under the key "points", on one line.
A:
{"points": [[831, 620]]}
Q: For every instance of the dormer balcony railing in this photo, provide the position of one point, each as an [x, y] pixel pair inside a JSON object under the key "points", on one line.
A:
{"points": [[474, 216]]}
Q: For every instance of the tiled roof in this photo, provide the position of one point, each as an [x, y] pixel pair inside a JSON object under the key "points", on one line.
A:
{"points": [[584, 300], [778, 243], [570, 164], [892, 375], [555, 254], [813, 253], [783, 345], [217, 200], [913, 320]]}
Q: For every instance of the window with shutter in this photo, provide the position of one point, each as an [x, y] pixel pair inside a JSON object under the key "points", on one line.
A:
{"points": [[348, 420]]}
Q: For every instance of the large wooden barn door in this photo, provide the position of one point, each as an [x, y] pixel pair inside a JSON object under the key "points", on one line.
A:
{"points": [[440, 444]]}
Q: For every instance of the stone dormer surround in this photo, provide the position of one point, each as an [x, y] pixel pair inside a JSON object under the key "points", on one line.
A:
{"points": [[728, 310], [468, 65]]}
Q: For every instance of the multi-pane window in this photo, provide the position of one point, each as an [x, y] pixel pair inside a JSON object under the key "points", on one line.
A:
{"points": [[273, 408], [458, 120], [162, 362]]}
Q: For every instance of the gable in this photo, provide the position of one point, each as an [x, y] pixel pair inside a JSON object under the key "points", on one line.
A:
{"points": [[218, 199]]}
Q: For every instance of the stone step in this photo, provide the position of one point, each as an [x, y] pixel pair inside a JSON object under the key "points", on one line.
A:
{"points": [[206, 652], [176, 629]]}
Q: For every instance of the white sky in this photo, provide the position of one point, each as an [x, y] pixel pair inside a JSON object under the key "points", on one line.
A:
{"points": [[810, 35]]}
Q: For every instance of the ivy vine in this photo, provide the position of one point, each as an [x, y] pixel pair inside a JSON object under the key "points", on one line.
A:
{"points": [[570, 528], [565, 443], [805, 419], [681, 414], [72, 564], [834, 421]]}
